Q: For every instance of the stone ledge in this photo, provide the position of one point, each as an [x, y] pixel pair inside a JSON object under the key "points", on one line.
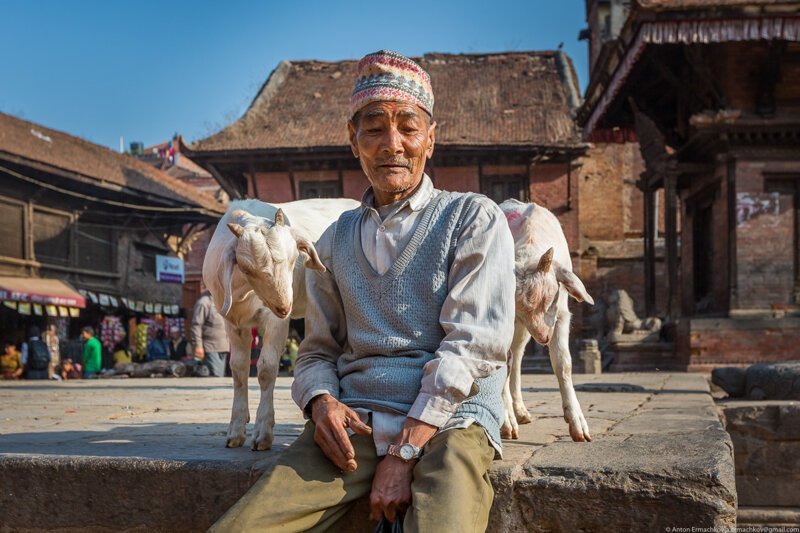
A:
{"points": [[148, 455]]}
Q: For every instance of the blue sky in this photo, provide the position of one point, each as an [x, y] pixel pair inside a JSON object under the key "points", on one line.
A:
{"points": [[101, 69]]}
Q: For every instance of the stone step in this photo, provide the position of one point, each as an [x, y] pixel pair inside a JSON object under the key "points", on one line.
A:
{"points": [[148, 455]]}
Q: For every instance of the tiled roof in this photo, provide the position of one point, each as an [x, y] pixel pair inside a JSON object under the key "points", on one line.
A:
{"points": [[514, 98], [37, 143], [670, 5]]}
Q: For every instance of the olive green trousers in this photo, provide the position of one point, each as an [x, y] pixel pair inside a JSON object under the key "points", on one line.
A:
{"points": [[305, 491]]}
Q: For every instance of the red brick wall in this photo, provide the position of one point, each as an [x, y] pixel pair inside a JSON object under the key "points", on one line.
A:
{"points": [[706, 343], [738, 70], [354, 183], [548, 188], [461, 179], [764, 237], [274, 187]]}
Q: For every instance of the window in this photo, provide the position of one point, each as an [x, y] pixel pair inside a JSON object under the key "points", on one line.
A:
{"points": [[12, 229], [51, 237], [501, 188], [320, 189], [95, 247]]}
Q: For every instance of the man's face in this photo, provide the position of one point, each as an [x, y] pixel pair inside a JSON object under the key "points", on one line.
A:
{"points": [[392, 141], [85, 335]]}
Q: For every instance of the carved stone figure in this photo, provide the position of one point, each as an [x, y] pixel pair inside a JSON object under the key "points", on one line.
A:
{"points": [[775, 381], [623, 323]]}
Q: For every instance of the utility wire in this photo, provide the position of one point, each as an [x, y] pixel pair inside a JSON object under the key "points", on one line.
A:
{"points": [[200, 210]]}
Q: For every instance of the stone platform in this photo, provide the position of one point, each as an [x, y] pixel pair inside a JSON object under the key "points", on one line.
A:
{"points": [[148, 455]]}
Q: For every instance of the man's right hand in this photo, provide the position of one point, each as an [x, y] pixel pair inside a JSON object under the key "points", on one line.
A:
{"points": [[332, 419], [199, 353]]}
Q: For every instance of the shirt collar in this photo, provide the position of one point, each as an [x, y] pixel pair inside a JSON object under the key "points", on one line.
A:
{"points": [[416, 201]]}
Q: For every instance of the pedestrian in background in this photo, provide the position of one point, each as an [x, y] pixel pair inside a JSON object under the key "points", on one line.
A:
{"points": [[208, 335], [52, 342], [37, 356], [92, 353]]}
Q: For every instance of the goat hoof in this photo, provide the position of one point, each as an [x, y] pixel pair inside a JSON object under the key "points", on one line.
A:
{"points": [[523, 418], [260, 446], [235, 442]]}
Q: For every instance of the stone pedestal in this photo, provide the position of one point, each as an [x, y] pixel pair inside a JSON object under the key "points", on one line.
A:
{"points": [[633, 355], [591, 357]]}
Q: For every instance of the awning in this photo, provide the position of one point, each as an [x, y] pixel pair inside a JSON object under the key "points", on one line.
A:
{"points": [[40, 291]]}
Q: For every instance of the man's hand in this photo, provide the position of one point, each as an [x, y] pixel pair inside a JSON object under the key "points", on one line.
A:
{"points": [[391, 488], [199, 352], [332, 419]]}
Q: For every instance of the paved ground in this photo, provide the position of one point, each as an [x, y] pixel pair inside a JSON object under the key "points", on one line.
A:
{"points": [[659, 451]]}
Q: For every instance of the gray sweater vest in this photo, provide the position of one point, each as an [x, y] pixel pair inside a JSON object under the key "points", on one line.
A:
{"points": [[393, 319]]}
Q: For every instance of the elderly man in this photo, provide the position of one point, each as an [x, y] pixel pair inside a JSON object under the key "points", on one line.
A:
{"points": [[403, 363]]}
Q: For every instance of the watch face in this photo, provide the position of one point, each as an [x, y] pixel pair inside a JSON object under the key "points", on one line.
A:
{"points": [[407, 452]]}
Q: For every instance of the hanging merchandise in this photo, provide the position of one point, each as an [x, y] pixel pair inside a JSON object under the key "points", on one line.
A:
{"points": [[111, 331], [180, 323], [141, 340]]}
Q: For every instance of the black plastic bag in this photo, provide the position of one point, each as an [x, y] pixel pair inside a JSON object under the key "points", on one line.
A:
{"points": [[384, 526]]}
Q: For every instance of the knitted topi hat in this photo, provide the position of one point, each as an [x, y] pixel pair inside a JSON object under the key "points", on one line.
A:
{"points": [[386, 75]]}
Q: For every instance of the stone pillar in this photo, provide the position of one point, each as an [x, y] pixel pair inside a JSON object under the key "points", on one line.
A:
{"points": [[671, 242], [591, 357]]}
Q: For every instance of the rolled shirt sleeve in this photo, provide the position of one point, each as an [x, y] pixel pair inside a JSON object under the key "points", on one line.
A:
{"points": [[326, 332], [477, 315]]}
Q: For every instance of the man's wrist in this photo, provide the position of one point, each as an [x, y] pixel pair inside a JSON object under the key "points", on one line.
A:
{"points": [[405, 451], [319, 399]]}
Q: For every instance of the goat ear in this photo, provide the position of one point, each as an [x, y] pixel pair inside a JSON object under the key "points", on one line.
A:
{"points": [[545, 261], [227, 278], [573, 284], [305, 246], [236, 229], [280, 218]]}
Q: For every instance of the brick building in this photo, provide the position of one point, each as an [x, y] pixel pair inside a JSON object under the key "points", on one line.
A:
{"points": [[505, 128], [76, 215], [168, 158], [711, 90]]}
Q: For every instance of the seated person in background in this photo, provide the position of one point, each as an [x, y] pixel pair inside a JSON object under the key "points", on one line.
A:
{"points": [[10, 362], [70, 370], [121, 355], [38, 356], [177, 344], [158, 347]]}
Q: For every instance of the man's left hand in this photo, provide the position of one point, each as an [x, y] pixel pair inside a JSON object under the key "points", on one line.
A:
{"points": [[391, 488]]}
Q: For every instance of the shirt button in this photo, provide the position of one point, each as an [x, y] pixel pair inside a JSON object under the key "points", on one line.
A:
{"points": [[382, 228]]}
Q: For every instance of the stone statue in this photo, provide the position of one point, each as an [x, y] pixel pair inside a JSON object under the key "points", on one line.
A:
{"points": [[623, 323], [765, 381]]}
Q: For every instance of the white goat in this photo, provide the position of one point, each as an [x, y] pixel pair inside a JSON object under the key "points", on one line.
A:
{"points": [[254, 273], [544, 279]]}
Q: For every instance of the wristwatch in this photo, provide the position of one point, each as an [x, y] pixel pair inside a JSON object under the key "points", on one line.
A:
{"points": [[406, 451]]}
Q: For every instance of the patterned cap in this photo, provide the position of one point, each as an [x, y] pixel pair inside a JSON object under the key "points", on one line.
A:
{"points": [[386, 75]]}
